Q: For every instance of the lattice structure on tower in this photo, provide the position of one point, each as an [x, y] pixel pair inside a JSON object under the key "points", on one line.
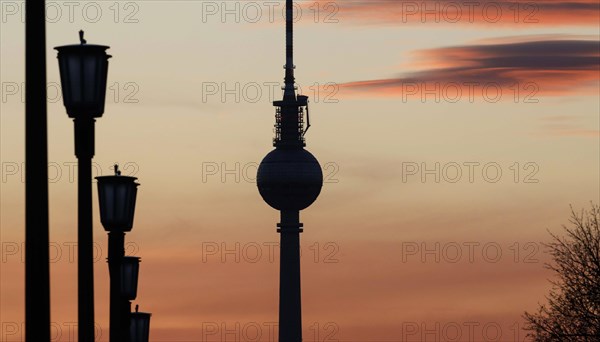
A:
{"points": [[295, 129]]}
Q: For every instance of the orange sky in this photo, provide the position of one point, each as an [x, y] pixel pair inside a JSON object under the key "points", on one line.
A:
{"points": [[430, 223]]}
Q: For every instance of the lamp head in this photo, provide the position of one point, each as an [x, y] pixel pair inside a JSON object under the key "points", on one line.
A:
{"points": [[117, 197], [83, 73]]}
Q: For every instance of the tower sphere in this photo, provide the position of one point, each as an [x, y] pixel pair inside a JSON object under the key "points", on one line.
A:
{"points": [[289, 179]]}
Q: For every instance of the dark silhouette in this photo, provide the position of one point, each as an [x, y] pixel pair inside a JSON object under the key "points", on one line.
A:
{"points": [[83, 72], [140, 326], [37, 254], [573, 309], [117, 197], [290, 179]]}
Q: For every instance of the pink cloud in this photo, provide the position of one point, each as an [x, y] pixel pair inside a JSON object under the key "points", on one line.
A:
{"points": [[484, 12], [521, 70]]}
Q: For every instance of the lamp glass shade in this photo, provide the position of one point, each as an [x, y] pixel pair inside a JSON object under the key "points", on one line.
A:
{"points": [[140, 327], [83, 73], [117, 196], [130, 270]]}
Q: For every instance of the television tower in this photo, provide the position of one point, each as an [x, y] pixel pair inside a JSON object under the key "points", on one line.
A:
{"points": [[290, 179]]}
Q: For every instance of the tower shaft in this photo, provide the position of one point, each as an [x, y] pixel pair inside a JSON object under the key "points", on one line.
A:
{"points": [[290, 307]]}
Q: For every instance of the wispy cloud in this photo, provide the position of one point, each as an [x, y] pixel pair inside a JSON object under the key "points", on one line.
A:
{"points": [[484, 12], [564, 125], [521, 70]]}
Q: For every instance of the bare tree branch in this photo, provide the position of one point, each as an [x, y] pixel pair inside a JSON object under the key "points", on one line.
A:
{"points": [[572, 311]]}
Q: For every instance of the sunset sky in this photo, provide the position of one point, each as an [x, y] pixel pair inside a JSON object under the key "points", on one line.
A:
{"points": [[452, 135]]}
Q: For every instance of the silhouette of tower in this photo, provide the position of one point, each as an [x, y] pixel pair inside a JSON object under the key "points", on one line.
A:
{"points": [[290, 179]]}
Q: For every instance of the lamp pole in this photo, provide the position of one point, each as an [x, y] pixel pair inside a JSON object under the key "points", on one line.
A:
{"points": [[37, 267], [83, 72], [119, 306], [117, 197], [84, 150]]}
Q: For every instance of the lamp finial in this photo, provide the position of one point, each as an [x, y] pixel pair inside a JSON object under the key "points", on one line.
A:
{"points": [[81, 40], [117, 171]]}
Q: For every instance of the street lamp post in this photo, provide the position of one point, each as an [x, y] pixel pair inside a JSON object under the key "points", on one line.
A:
{"points": [[83, 73], [117, 196], [37, 257]]}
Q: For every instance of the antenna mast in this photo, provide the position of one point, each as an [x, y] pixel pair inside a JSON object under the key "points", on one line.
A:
{"points": [[289, 66]]}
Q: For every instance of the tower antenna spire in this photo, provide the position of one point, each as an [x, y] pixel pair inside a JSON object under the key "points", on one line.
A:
{"points": [[290, 90]]}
